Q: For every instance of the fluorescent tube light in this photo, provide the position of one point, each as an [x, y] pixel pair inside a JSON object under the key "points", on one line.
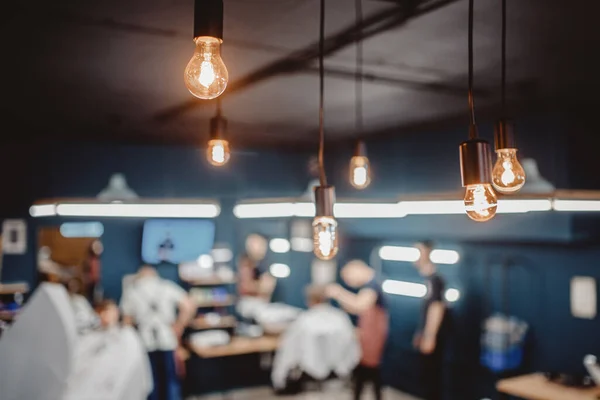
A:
{"points": [[42, 210], [412, 254], [368, 210], [403, 288], [279, 270], [577, 205], [432, 207], [439, 256], [398, 253], [128, 210], [509, 206], [302, 245], [279, 245], [411, 289]]}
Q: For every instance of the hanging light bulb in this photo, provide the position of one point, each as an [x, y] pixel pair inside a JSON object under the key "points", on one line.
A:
{"points": [[218, 152], [206, 76], [480, 202], [324, 225], [475, 157], [360, 169], [508, 175]]}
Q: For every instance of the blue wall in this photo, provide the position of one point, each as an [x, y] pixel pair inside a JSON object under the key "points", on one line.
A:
{"points": [[50, 170]]}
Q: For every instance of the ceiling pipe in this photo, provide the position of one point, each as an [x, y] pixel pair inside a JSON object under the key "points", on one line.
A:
{"points": [[299, 60]]}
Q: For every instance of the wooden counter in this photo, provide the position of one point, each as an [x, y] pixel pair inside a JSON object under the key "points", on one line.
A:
{"points": [[537, 387], [238, 346]]}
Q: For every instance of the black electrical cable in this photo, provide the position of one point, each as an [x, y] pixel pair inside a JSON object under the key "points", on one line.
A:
{"points": [[503, 60], [473, 132], [359, 69], [322, 177]]}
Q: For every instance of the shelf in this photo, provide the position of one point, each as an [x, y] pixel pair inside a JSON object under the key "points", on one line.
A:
{"points": [[238, 346], [226, 322], [213, 281], [229, 302], [13, 288]]}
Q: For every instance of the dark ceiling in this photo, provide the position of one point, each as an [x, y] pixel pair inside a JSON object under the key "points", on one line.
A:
{"points": [[113, 69]]}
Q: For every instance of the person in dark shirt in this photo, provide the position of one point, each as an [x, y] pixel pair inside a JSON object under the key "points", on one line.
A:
{"points": [[429, 339], [369, 304]]}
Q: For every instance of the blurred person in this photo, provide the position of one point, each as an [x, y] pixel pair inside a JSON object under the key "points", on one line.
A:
{"points": [[108, 314], [370, 306], [152, 304], [85, 317], [254, 279], [321, 341], [430, 337], [92, 270]]}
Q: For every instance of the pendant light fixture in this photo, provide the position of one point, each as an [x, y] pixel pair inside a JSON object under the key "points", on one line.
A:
{"points": [[206, 76], [360, 169], [325, 236], [218, 152], [508, 176], [475, 157]]}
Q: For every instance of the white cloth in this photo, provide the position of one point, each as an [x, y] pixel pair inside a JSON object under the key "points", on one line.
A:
{"points": [[321, 341], [210, 338], [85, 316], [37, 351], [110, 364], [152, 302]]}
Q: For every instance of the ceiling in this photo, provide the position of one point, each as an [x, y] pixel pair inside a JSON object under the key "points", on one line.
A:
{"points": [[113, 70]]}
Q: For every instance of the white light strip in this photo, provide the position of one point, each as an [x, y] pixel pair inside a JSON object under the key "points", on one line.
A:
{"points": [[505, 206], [449, 257], [274, 210], [577, 205], [513, 206], [279, 270], [398, 253], [302, 245], [411, 289], [368, 210], [279, 245], [412, 254], [432, 207], [402, 288], [139, 210], [42, 210]]}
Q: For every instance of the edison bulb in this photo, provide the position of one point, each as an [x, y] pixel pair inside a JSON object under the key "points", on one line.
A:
{"points": [[218, 152], [360, 172], [508, 176], [480, 202], [325, 237], [206, 76]]}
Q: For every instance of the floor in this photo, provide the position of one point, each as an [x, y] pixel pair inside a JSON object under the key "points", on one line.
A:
{"points": [[334, 390]]}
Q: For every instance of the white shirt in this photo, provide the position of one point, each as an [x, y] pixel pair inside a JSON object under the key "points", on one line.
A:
{"points": [[321, 341], [152, 302]]}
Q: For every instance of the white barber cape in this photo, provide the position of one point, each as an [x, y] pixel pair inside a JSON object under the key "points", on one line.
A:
{"points": [[37, 351], [42, 357], [110, 364], [321, 341]]}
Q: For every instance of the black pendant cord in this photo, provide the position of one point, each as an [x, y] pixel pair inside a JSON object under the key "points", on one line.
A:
{"points": [[359, 71], [322, 177], [472, 132], [219, 110], [503, 84]]}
